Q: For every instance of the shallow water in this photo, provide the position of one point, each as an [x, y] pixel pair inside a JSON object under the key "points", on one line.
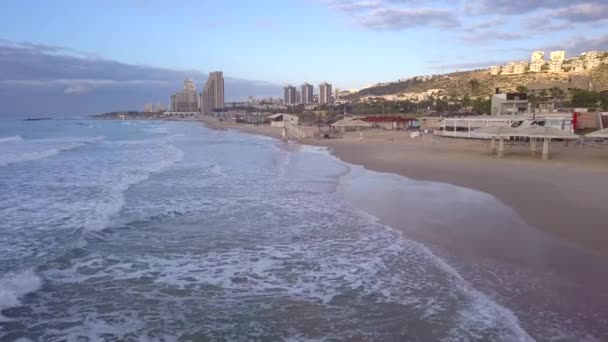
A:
{"points": [[171, 231]]}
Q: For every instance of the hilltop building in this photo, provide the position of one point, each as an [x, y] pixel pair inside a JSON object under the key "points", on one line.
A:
{"points": [[212, 96], [508, 69], [520, 67], [537, 66], [558, 55], [325, 93], [538, 56], [555, 65], [185, 101], [289, 95], [495, 70], [592, 59], [578, 65]]}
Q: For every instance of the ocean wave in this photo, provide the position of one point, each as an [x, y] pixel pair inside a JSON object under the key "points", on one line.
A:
{"points": [[32, 150], [113, 204], [35, 155], [16, 285], [15, 138]]}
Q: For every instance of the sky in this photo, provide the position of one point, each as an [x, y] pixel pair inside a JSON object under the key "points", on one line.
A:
{"points": [[71, 57]]}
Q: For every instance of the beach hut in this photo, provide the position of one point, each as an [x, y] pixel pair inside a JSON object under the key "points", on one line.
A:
{"points": [[354, 124], [603, 133], [545, 133]]}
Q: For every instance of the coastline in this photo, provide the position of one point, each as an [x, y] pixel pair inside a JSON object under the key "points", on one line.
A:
{"points": [[562, 197]]}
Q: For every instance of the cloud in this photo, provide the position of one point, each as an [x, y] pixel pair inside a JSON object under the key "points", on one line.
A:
{"points": [[489, 23], [586, 12], [484, 36], [519, 7], [467, 65], [398, 19], [541, 23], [354, 6], [38, 79], [578, 44], [392, 15]]}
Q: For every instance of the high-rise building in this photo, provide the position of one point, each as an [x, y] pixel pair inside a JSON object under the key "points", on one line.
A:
{"points": [[289, 95], [186, 100], [307, 93], [298, 96], [212, 96], [324, 93]]}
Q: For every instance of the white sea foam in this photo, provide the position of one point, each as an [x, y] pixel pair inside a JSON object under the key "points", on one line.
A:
{"points": [[13, 286], [111, 205], [36, 149], [15, 138]]}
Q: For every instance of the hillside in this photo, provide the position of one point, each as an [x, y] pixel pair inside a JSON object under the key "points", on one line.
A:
{"points": [[457, 84]]}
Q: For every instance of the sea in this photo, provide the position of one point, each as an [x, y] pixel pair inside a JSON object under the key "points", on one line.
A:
{"points": [[171, 231]]}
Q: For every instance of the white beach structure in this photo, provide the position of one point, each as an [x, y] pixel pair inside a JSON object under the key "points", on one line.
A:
{"points": [[603, 133], [534, 133], [464, 127], [348, 123], [279, 120]]}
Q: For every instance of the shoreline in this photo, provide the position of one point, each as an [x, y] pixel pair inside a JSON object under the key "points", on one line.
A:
{"points": [[562, 197], [550, 275]]}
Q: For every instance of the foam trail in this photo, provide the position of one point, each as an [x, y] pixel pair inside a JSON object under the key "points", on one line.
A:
{"points": [[112, 205], [25, 156], [15, 138], [15, 285]]}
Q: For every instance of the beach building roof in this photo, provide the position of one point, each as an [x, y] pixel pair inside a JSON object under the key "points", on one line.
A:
{"points": [[350, 123], [599, 134], [546, 132], [274, 116], [497, 131]]}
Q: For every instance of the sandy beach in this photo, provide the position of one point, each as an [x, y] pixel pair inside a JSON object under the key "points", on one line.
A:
{"points": [[565, 196]]}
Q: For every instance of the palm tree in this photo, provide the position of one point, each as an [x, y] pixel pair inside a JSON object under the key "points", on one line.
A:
{"points": [[542, 96], [557, 94], [474, 85]]}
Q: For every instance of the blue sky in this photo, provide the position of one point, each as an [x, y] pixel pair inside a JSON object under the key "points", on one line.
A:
{"points": [[350, 43]]}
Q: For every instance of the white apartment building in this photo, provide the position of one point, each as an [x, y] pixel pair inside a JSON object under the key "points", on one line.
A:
{"points": [[558, 55], [555, 65], [508, 69], [520, 67], [538, 56], [325, 93], [212, 96], [186, 100], [537, 66], [290, 95]]}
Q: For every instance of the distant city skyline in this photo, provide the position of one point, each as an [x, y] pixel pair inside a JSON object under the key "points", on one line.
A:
{"points": [[126, 52]]}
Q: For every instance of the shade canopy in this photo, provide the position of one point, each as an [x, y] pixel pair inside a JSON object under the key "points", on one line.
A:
{"points": [[599, 134], [496, 131], [350, 123], [546, 132]]}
